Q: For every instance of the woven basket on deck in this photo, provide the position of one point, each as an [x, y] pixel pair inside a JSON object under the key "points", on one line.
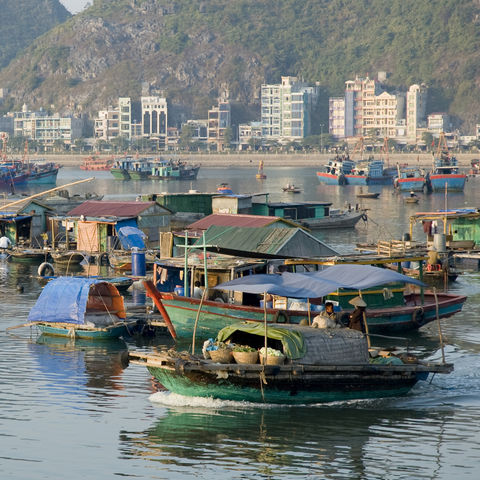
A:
{"points": [[245, 357], [221, 355], [272, 360]]}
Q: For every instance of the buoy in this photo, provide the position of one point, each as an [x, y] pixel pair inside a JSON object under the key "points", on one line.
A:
{"points": [[46, 270]]}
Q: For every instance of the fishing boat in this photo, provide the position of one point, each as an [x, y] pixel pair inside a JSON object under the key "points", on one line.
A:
{"points": [[11, 175], [260, 173], [362, 194], [98, 164], [121, 167], [42, 173], [369, 172], [313, 215], [224, 189], [67, 257], [173, 170], [290, 188], [314, 366], [445, 174], [410, 179], [389, 308], [336, 170], [28, 255], [80, 307], [412, 198]]}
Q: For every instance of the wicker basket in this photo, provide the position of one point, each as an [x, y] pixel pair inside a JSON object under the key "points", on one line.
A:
{"points": [[245, 357], [221, 355], [272, 360]]}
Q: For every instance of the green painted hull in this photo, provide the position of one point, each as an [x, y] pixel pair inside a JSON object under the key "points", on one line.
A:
{"points": [[291, 393], [120, 174], [75, 332], [215, 316], [135, 175]]}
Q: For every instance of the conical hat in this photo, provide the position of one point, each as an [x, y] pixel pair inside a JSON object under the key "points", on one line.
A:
{"points": [[357, 302]]}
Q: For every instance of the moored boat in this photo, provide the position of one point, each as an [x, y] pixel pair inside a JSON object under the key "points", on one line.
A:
{"points": [[95, 163], [291, 188], [322, 365], [334, 173], [410, 179], [79, 307]]}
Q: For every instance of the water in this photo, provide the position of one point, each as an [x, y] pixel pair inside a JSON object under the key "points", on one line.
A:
{"points": [[77, 411]]}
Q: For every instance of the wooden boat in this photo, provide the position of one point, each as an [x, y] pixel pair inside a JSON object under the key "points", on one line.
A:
{"points": [[323, 365], [79, 307], [334, 173], [28, 255], [412, 198], [410, 179], [260, 174], [95, 163], [400, 312], [290, 188], [120, 261], [367, 194], [67, 257]]}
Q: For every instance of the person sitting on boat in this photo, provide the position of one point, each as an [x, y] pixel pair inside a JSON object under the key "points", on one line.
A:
{"points": [[357, 321], [5, 243], [197, 290], [327, 318]]}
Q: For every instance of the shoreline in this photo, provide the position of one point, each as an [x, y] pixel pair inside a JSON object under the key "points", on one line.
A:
{"points": [[250, 160]]}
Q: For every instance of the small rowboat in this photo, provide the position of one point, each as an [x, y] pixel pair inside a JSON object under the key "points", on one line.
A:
{"points": [[290, 188], [368, 195]]}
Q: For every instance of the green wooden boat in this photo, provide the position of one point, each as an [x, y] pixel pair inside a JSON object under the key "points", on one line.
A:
{"points": [[321, 367], [120, 173], [83, 332]]}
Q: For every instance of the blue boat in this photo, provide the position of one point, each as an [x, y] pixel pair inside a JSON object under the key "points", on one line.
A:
{"points": [[446, 175], [370, 172], [79, 307], [410, 179], [336, 170]]}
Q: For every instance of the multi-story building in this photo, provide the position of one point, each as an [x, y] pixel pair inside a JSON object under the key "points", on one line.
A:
{"points": [[107, 124], [416, 109], [250, 136], [219, 119], [125, 117], [46, 129], [155, 118], [438, 123], [199, 130], [286, 109], [336, 117]]}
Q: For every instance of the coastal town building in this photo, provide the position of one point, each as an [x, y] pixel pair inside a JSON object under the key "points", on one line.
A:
{"points": [[336, 117], [219, 120], [199, 129], [155, 118], [286, 109], [250, 136], [107, 125], [46, 129], [438, 123], [416, 109]]}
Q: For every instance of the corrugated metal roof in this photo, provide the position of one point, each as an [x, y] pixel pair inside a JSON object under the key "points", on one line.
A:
{"points": [[93, 208], [265, 242], [237, 220]]}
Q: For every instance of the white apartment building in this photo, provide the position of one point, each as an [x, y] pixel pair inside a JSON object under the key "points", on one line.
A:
{"points": [[416, 109], [125, 117], [250, 136], [438, 123], [219, 119], [155, 118], [286, 109], [107, 124], [336, 117], [46, 129]]}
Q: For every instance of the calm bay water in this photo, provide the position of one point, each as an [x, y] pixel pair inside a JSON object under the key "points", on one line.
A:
{"points": [[77, 411]]}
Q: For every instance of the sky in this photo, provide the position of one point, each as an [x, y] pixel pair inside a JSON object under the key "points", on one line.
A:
{"points": [[75, 6]]}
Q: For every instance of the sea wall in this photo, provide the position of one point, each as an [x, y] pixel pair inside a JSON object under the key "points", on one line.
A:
{"points": [[273, 159]]}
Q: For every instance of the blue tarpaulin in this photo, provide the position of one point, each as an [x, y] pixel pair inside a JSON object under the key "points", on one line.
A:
{"points": [[64, 299], [317, 284], [131, 237]]}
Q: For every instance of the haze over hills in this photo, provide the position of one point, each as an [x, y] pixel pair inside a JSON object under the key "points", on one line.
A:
{"points": [[191, 50], [21, 21]]}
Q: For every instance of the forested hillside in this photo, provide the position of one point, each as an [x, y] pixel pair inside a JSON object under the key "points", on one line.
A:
{"points": [[192, 49], [21, 21]]}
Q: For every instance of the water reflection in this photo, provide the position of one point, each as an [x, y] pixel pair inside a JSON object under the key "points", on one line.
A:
{"points": [[84, 366], [333, 442]]}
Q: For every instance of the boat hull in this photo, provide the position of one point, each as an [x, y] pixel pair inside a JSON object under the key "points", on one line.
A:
{"points": [[344, 220], [214, 316], [411, 184], [120, 174], [75, 331], [290, 384], [331, 179], [43, 178], [454, 182]]}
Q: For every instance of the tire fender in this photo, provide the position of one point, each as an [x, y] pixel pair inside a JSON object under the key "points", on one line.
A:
{"points": [[281, 316], [46, 269], [418, 316]]}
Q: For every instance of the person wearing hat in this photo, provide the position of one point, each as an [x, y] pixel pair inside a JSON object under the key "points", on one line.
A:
{"points": [[356, 318]]}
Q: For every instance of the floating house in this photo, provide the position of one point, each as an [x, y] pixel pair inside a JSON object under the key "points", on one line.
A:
{"points": [[96, 223]]}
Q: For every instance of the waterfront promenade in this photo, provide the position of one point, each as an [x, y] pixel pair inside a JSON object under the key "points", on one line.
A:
{"points": [[269, 159]]}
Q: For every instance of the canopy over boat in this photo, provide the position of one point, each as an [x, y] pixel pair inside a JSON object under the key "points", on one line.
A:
{"points": [[317, 284], [70, 299]]}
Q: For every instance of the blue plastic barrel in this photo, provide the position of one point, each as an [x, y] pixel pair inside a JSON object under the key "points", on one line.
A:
{"points": [[139, 263], [179, 290]]}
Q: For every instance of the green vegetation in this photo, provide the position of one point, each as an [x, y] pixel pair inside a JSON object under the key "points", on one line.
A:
{"points": [[192, 50]]}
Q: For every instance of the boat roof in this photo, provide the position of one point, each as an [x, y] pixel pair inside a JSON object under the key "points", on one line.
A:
{"points": [[357, 259], [297, 204], [64, 300]]}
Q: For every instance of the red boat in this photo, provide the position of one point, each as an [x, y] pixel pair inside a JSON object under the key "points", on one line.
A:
{"points": [[95, 163]]}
